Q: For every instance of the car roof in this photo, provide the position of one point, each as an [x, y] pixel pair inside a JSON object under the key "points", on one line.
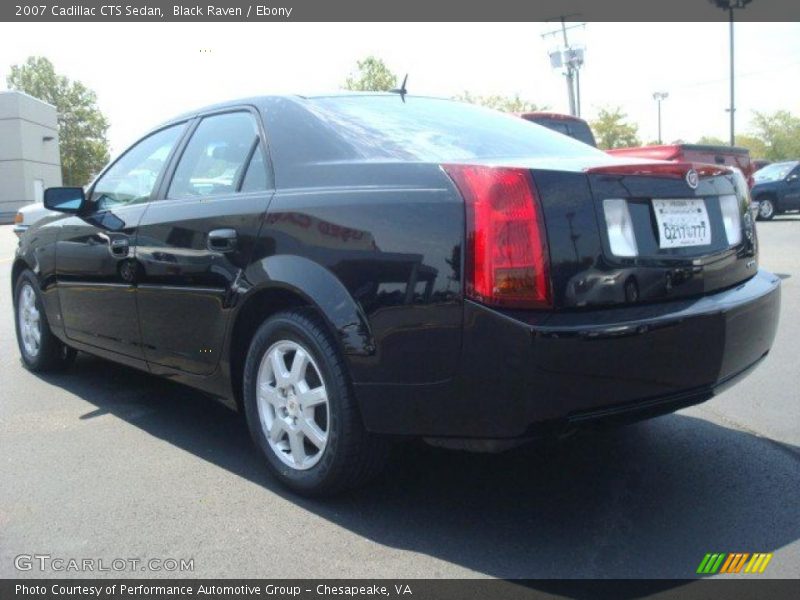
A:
{"points": [[261, 101]]}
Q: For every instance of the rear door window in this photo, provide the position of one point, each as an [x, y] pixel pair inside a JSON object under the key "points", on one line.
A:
{"points": [[256, 178], [214, 161]]}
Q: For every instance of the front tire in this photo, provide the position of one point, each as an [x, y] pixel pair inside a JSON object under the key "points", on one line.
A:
{"points": [[41, 350], [301, 411], [766, 209]]}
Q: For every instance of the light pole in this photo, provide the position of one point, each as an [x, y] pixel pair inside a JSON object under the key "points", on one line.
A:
{"points": [[658, 97], [730, 5], [569, 58]]}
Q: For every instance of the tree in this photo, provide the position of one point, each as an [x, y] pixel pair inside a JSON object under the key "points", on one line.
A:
{"points": [[372, 75], [779, 132], [756, 146], [712, 140], [512, 104], [82, 127], [612, 131]]}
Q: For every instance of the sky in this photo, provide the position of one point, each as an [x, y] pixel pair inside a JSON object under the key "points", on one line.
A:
{"points": [[145, 73]]}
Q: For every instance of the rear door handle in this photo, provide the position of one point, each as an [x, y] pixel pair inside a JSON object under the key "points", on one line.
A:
{"points": [[222, 240]]}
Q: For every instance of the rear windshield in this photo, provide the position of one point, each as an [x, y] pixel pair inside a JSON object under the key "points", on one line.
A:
{"points": [[775, 171], [432, 130], [575, 129]]}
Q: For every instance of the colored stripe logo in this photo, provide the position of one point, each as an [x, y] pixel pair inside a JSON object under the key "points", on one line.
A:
{"points": [[734, 562]]}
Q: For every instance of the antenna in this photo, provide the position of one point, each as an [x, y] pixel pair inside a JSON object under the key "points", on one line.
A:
{"points": [[402, 89]]}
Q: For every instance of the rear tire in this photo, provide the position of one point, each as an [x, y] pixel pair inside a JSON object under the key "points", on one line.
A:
{"points": [[766, 209], [41, 351], [301, 410]]}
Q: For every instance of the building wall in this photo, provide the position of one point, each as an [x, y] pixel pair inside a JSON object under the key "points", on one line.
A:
{"points": [[28, 162]]}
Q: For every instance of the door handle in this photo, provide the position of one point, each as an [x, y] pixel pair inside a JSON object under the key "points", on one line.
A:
{"points": [[222, 240], [118, 246]]}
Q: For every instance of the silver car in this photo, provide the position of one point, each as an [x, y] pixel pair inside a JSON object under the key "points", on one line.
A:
{"points": [[28, 215]]}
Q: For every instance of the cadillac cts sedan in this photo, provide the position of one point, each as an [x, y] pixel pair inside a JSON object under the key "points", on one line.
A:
{"points": [[352, 268]]}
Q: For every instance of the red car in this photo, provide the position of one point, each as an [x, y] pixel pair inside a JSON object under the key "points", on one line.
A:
{"points": [[695, 153]]}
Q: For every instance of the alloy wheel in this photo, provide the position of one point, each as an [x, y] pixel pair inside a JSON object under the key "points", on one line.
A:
{"points": [[765, 209], [293, 405], [30, 323]]}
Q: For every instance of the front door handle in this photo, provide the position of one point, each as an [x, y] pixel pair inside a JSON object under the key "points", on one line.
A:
{"points": [[222, 240], [118, 246]]}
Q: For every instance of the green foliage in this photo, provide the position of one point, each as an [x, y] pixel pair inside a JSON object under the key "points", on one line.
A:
{"points": [[613, 131], [780, 134], [710, 140], [82, 127], [512, 104], [372, 75], [774, 136], [756, 146]]}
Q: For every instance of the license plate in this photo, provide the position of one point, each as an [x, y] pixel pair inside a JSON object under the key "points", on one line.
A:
{"points": [[682, 223]]}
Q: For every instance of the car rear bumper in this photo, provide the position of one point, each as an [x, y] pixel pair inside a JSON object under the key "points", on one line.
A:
{"points": [[525, 374]]}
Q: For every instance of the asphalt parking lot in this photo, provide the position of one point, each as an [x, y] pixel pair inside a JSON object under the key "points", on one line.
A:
{"points": [[106, 462]]}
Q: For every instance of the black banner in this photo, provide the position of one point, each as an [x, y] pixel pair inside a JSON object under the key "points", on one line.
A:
{"points": [[407, 10], [416, 589]]}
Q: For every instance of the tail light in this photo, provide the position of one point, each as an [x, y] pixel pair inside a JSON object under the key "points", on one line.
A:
{"points": [[506, 254]]}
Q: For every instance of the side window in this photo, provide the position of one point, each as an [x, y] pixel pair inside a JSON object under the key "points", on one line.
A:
{"points": [[133, 177], [215, 157], [255, 179]]}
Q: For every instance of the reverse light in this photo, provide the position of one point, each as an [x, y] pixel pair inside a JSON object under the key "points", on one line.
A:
{"points": [[732, 218], [621, 236], [506, 255]]}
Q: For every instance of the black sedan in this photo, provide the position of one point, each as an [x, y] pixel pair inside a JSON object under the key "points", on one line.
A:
{"points": [[349, 269]]}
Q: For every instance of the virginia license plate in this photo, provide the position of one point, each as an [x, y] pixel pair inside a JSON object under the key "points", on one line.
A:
{"points": [[682, 223]]}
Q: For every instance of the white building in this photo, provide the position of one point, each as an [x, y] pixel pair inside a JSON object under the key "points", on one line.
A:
{"points": [[29, 154]]}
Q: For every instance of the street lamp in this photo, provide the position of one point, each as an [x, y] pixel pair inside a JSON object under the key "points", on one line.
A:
{"points": [[658, 97], [730, 6]]}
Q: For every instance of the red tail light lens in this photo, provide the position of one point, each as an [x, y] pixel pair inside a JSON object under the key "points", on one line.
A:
{"points": [[506, 253]]}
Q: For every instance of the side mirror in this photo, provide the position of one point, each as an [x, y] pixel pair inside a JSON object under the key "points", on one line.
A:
{"points": [[64, 199]]}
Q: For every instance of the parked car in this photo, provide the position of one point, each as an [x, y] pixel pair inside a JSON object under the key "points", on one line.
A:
{"points": [[384, 266], [731, 156], [574, 127], [777, 189], [28, 215], [759, 163]]}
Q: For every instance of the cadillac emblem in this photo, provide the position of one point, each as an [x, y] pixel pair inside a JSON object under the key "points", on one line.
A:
{"points": [[692, 178]]}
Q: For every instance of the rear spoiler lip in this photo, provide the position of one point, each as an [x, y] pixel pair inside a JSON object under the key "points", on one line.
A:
{"points": [[676, 149], [668, 170]]}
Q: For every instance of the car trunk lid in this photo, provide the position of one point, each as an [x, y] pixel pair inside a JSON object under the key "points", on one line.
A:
{"points": [[645, 231]]}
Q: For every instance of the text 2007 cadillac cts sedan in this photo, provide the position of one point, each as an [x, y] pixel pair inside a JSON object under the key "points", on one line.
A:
{"points": [[353, 267]]}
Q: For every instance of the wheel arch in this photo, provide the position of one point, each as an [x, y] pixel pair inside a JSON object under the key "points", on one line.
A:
{"points": [[769, 195], [16, 270], [284, 282]]}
